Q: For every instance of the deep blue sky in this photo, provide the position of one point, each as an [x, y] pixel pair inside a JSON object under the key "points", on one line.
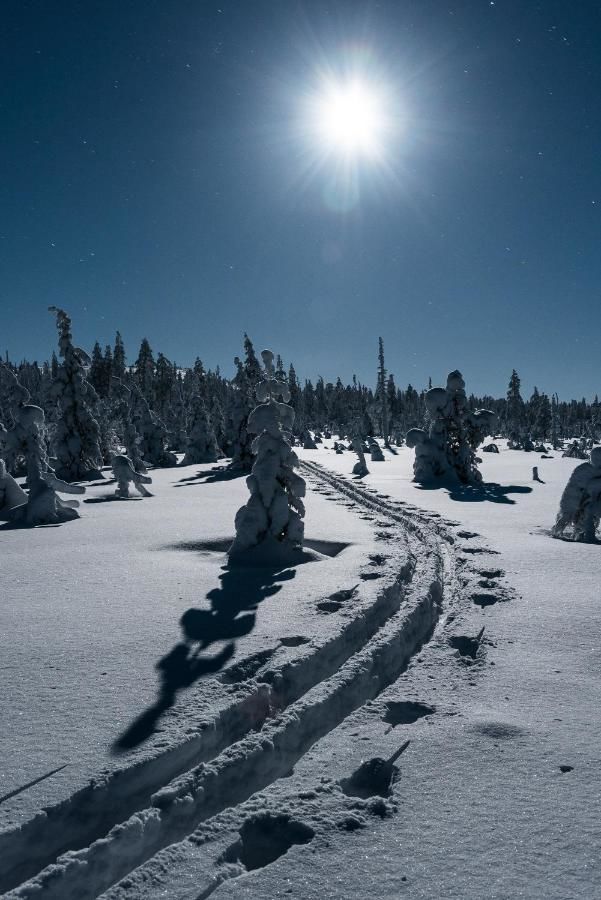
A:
{"points": [[155, 180]]}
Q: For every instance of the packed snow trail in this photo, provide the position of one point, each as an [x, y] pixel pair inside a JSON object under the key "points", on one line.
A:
{"points": [[300, 703]]}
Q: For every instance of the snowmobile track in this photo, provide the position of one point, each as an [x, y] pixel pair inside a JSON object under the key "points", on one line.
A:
{"points": [[162, 800]]}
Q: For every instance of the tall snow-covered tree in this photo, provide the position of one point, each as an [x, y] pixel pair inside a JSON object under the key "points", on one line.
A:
{"points": [[252, 366], [270, 525], [239, 407], [201, 446], [144, 370], [382, 394], [119, 358], [514, 410], [77, 437]]}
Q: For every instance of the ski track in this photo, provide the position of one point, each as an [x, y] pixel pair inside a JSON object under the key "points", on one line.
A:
{"points": [[279, 712]]}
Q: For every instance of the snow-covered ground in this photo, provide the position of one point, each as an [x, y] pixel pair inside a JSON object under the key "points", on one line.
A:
{"points": [[237, 780]]}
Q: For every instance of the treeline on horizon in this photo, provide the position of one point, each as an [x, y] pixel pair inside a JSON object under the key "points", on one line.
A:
{"points": [[171, 390]]}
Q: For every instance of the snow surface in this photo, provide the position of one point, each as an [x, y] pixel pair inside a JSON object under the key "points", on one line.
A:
{"points": [[481, 806]]}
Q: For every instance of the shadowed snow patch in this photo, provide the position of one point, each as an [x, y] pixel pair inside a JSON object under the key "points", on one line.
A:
{"points": [[405, 712], [266, 837]]}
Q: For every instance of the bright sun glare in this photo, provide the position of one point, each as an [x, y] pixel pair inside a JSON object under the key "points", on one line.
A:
{"points": [[350, 119]]}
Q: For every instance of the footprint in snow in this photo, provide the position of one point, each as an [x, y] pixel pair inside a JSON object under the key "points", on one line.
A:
{"points": [[329, 606]]}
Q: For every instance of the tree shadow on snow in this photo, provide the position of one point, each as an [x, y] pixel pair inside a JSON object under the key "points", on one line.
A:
{"points": [[478, 493], [232, 615], [109, 498], [219, 473]]}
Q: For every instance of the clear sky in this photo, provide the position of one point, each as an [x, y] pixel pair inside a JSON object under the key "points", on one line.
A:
{"points": [[161, 175]]}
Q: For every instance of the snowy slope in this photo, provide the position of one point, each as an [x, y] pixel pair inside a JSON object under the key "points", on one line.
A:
{"points": [[481, 806]]}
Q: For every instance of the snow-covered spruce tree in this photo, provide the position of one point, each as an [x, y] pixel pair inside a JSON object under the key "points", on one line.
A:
{"points": [[514, 412], [382, 394], [218, 423], [580, 505], [43, 506], [124, 473], [132, 440], [239, 407], [201, 446], [77, 437], [153, 434], [448, 449], [269, 528]]}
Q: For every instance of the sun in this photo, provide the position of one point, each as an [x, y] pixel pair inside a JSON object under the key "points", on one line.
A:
{"points": [[349, 119]]}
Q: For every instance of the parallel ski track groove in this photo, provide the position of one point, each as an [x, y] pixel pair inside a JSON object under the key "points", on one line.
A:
{"points": [[257, 760]]}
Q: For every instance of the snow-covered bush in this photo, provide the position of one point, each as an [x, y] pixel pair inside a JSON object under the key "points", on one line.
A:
{"points": [[448, 449], [576, 450], [270, 526], [77, 437], [360, 467], [580, 504], [124, 473], [490, 448], [375, 451], [201, 446], [308, 442]]}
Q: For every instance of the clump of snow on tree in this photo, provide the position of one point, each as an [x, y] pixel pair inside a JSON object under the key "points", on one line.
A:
{"points": [[447, 450], [125, 474], [580, 504], [270, 526], [77, 438]]}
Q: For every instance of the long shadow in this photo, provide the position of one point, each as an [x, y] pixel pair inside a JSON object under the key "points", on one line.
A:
{"points": [[111, 498], [241, 592], [478, 493], [220, 473]]}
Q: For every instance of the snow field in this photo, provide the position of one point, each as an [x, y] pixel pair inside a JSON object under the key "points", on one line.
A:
{"points": [[245, 793]]}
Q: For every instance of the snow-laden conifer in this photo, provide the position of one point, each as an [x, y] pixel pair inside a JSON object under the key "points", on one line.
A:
{"points": [[77, 436], [26, 439], [270, 526], [152, 432], [448, 448], [201, 446], [580, 505], [125, 474], [239, 407]]}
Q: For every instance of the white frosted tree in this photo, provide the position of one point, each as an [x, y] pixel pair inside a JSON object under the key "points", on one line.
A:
{"points": [[125, 474], [448, 448], [77, 437], [580, 505], [43, 506], [270, 528], [201, 446]]}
